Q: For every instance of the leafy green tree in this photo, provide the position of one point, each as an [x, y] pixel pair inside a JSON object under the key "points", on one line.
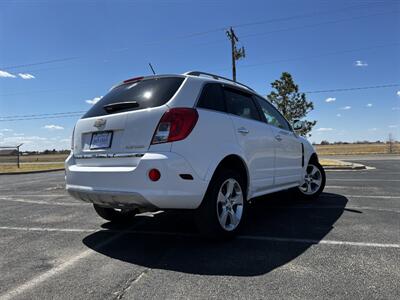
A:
{"points": [[290, 102]]}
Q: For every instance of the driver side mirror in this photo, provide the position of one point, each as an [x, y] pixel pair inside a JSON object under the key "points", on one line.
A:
{"points": [[298, 125]]}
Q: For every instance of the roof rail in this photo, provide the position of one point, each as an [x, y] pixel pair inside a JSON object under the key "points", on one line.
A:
{"points": [[217, 77]]}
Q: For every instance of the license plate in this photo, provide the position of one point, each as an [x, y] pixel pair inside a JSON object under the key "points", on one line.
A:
{"points": [[101, 140]]}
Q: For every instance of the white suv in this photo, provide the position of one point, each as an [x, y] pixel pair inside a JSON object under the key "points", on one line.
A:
{"points": [[195, 141]]}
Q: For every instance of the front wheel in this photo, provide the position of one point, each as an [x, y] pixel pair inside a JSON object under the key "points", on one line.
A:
{"points": [[314, 182], [222, 211], [114, 215]]}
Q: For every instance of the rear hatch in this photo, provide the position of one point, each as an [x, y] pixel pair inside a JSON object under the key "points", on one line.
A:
{"points": [[123, 122]]}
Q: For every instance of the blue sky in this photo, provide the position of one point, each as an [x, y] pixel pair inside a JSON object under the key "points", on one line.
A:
{"points": [[324, 44]]}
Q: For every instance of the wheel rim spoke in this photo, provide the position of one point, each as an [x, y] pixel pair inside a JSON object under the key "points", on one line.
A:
{"points": [[224, 216], [317, 182], [233, 218], [314, 171], [238, 199], [221, 197], [229, 187]]}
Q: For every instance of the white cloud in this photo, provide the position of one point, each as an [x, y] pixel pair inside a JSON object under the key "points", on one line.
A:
{"points": [[339, 115], [396, 108], [94, 100], [36, 142], [360, 63], [18, 134], [369, 105], [398, 93], [373, 129], [5, 74], [26, 76], [330, 99], [55, 127], [6, 130], [325, 129], [346, 107], [23, 139], [393, 126]]}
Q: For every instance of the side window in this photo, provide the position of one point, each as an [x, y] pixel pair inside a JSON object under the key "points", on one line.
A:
{"points": [[272, 115], [241, 104], [212, 97]]}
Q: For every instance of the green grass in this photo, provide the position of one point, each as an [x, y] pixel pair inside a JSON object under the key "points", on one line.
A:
{"points": [[30, 167], [356, 149]]}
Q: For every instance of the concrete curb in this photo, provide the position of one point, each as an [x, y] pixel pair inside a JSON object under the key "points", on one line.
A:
{"points": [[31, 172]]}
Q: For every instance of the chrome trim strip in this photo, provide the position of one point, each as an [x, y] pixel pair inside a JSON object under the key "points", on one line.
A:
{"points": [[108, 155]]}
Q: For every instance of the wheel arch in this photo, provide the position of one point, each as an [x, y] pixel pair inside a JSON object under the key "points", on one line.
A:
{"points": [[313, 158], [236, 163]]}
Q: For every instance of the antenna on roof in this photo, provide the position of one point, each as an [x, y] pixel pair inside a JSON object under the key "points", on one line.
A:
{"points": [[151, 67]]}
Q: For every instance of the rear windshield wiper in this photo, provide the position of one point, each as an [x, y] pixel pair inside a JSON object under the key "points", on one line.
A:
{"points": [[117, 106]]}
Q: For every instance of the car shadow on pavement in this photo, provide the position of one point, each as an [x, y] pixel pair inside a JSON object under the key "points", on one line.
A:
{"points": [[277, 230]]}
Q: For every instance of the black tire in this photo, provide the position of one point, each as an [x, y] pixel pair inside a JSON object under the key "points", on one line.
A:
{"points": [[299, 191], [207, 220], [113, 215]]}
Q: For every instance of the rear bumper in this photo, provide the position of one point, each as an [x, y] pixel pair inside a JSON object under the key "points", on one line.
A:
{"points": [[119, 186]]}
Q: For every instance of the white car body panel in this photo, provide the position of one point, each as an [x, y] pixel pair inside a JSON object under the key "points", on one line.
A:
{"points": [[258, 153], [288, 157]]}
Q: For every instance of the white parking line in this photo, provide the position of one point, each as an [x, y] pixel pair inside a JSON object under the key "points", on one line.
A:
{"points": [[340, 207], [70, 261], [325, 242], [362, 196], [39, 195], [47, 229], [352, 187], [243, 237], [353, 179], [43, 202]]}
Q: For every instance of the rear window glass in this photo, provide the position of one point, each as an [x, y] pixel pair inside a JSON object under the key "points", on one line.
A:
{"points": [[212, 97], [241, 104], [136, 95]]}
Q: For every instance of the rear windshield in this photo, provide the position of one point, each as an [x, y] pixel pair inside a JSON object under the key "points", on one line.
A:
{"points": [[137, 95]]}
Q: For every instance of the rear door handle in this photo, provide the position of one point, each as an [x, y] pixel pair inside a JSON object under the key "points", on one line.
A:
{"points": [[278, 137], [243, 130]]}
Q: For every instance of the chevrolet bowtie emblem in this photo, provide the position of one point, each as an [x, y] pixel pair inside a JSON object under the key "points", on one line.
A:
{"points": [[99, 123]]}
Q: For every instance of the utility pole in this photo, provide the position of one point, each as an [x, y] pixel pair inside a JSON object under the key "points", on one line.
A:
{"points": [[236, 53], [18, 163], [390, 143]]}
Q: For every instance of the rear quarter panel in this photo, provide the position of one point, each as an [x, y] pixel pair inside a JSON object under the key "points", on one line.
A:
{"points": [[212, 139]]}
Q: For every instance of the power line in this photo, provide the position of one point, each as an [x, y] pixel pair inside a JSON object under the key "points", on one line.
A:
{"points": [[41, 115], [293, 17], [241, 66], [315, 56], [301, 16], [301, 27], [39, 63], [41, 118], [354, 88], [79, 113], [318, 24]]}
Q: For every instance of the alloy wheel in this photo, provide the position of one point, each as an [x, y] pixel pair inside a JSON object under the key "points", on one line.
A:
{"points": [[230, 204]]}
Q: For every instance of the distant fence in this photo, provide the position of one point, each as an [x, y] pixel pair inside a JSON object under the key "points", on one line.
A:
{"points": [[9, 155]]}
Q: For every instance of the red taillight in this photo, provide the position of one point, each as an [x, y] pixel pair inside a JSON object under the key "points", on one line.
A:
{"points": [[154, 175], [175, 125]]}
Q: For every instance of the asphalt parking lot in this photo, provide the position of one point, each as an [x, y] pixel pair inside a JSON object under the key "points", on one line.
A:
{"points": [[345, 245]]}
